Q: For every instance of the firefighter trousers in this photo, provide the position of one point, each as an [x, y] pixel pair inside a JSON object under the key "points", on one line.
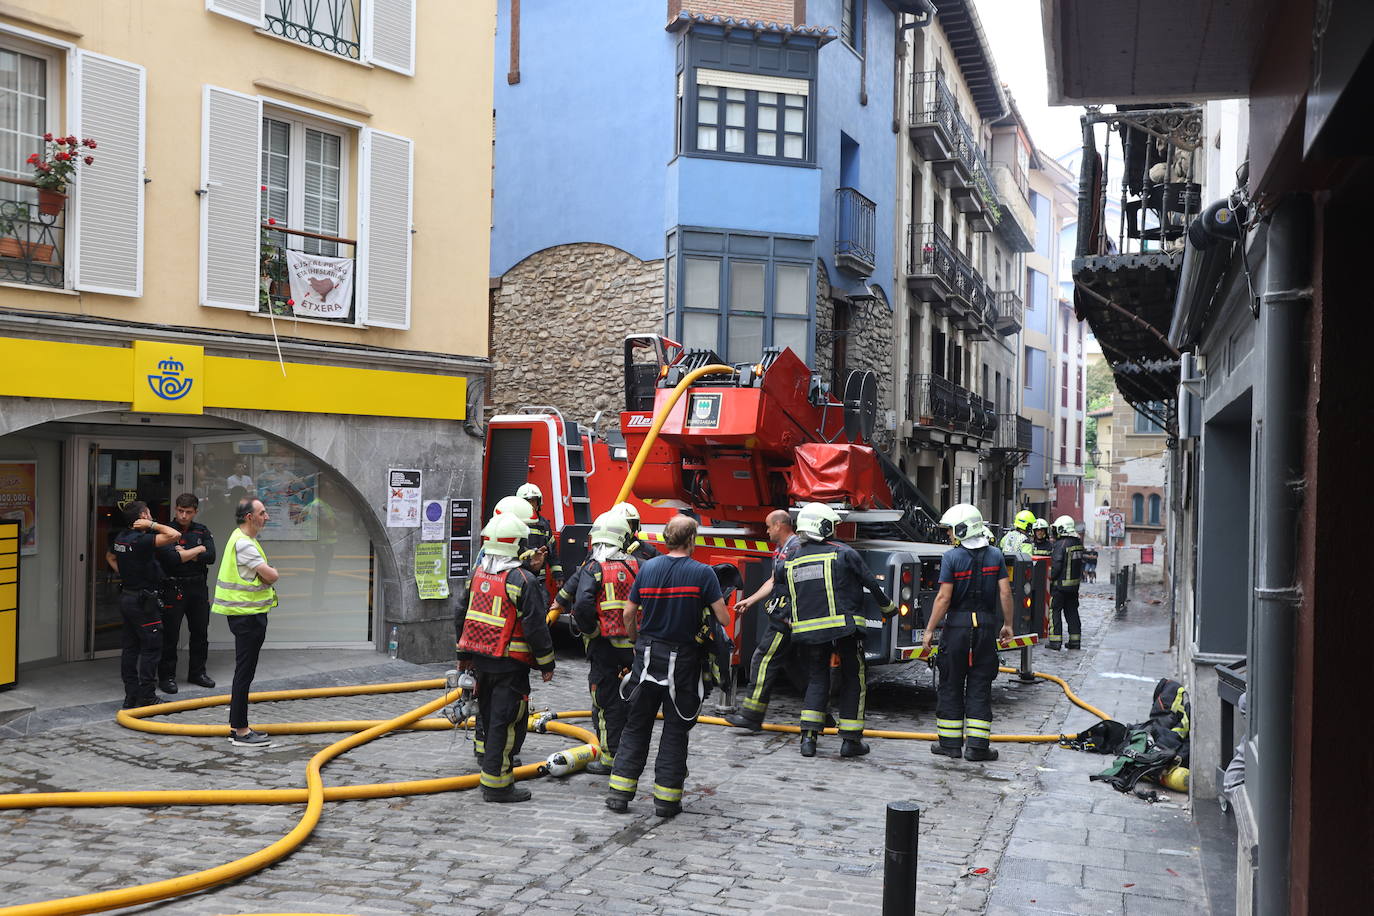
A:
{"points": [[665, 678], [764, 669], [967, 662], [1064, 610], [503, 701], [605, 664], [853, 685]]}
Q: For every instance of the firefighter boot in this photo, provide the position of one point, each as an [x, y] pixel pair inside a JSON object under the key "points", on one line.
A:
{"points": [[808, 744], [618, 801], [947, 751], [980, 753], [598, 767], [740, 720], [506, 794], [853, 747]]}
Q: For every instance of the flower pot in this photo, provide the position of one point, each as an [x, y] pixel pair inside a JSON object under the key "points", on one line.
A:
{"points": [[28, 251], [50, 202]]}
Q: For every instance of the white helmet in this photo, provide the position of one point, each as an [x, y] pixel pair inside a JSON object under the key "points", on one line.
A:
{"points": [[1066, 526], [531, 492], [504, 535], [965, 521], [629, 513], [817, 521], [1040, 525], [516, 506], [611, 529]]}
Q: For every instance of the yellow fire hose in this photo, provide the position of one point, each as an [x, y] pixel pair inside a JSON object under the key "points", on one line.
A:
{"points": [[316, 793]]}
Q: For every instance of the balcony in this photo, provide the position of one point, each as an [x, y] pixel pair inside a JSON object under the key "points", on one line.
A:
{"points": [[940, 409], [31, 240], [932, 266], [855, 232], [1009, 312], [980, 199], [321, 301], [327, 25], [1017, 225], [1013, 435], [936, 128]]}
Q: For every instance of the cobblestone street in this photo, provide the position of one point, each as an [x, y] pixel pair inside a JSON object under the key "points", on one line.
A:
{"points": [[764, 830]]}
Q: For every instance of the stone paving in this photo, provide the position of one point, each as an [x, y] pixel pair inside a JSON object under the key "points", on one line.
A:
{"points": [[764, 830]]}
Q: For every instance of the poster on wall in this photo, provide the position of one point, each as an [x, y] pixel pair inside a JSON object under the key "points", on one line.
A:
{"points": [[19, 501], [430, 580], [460, 538], [287, 486], [432, 523], [403, 498]]}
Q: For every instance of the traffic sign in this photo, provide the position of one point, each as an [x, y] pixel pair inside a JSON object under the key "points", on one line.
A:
{"points": [[1116, 525]]}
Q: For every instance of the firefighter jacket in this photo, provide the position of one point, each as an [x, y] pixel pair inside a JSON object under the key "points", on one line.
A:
{"points": [[1015, 542], [643, 552], [1066, 564], [541, 535], [824, 584], [503, 625], [1041, 548], [975, 574], [603, 589]]}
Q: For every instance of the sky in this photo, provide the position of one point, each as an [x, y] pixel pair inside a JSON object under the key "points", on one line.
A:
{"points": [[1013, 29]]}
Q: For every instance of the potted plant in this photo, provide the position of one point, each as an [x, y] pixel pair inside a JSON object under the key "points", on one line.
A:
{"points": [[55, 168], [14, 243]]}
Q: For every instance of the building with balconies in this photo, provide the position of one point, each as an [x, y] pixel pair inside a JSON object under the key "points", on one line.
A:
{"points": [[269, 282]]}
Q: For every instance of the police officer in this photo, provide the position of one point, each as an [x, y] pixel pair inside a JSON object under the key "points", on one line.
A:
{"points": [[542, 536], [824, 583], [1015, 541], [187, 596], [1040, 544], [603, 588], [1066, 571], [770, 654], [973, 582], [674, 591], [133, 555], [503, 636], [638, 549]]}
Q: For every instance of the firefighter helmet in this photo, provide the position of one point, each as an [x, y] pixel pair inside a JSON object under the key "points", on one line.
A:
{"points": [[1066, 526], [965, 521], [629, 513], [1040, 525], [611, 529], [516, 506], [531, 492], [817, 521], [1024, 520], [504, 535]]}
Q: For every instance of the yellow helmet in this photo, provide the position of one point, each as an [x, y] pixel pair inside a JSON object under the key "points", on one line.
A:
{"points": [[504, 535], [1024, 519]]}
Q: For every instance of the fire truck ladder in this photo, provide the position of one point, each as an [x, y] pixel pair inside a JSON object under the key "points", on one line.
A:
{"points": [[577, 473]]}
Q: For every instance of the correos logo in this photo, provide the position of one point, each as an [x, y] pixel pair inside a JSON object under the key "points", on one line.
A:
{"points": [[170, 385]]}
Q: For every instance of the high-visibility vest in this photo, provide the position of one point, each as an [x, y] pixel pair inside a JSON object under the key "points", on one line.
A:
{"points": [[235, 595], [492, 624], [617, 578], [1013, 542]]}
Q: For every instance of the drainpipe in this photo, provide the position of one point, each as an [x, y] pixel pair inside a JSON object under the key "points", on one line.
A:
{"points": [[1286, 299]]}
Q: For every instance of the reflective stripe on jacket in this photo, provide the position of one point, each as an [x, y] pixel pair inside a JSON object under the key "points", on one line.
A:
{"points": [[235, 595], [492, 625]]}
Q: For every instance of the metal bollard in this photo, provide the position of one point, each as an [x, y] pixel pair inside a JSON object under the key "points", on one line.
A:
{"points": [[899, 861]]}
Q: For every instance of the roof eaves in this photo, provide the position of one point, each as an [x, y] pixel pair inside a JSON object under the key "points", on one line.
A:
{"points": [[687, 20]]}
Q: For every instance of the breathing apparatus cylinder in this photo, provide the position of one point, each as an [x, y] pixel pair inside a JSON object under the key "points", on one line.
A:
{"points": [[562, 763], [465, 707]]}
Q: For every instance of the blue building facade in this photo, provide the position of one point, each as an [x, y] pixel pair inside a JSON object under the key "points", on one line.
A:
{"points": [[749, 164]]}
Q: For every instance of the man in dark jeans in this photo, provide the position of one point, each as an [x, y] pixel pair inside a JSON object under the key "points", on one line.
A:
{"points": [[186, 596], [244, 593], [134, 556]]}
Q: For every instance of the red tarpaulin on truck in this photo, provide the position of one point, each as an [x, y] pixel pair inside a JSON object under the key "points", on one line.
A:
{"points": [[838, 472]]}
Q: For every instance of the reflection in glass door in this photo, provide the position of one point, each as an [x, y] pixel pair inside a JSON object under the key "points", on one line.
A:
{"points": [[118, 476]]}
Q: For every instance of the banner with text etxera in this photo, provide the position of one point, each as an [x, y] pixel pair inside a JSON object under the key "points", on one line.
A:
{"points": [[322, 287]]}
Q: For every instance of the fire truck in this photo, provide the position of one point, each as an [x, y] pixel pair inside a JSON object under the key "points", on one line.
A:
{"points": [[730, 444]]}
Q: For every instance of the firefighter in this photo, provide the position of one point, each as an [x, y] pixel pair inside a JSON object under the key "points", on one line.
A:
{"points": [[603, 588], [1016, 541], [503, 637], [678, 595], [1066, 571], [543, 539], [638, 548], [824, 583], [768, 657], [973, 582], [1040, 544]]}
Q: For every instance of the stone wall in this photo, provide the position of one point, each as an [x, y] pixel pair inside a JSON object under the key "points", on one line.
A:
{"points": [[558, 325], [870, 342]]}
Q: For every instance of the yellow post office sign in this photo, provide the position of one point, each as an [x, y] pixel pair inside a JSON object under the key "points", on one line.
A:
{"points": [[168, 378]]}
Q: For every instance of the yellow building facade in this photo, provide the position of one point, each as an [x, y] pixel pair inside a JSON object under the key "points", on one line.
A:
{"points": [[270, 282]]}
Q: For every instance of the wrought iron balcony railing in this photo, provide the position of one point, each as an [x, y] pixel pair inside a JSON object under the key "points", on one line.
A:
{"points": [[329, 25], [32, 236], [930, 253], [855, 232], [934, 401], [1010, 311], [274, 281], [1013, 433]]}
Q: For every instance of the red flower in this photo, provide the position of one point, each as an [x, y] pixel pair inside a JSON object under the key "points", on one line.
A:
{"points": [[263, 188], [48, 137], [271, 221], [71, 141], [61, 141], [63, 157], [88, 142], [33, 158], [290, 301], [89, 160]]}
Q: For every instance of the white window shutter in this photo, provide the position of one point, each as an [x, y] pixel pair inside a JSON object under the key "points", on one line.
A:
{"points": [[384, 208], [230, 232], [249, 11], [108, 196], [389, 34]]}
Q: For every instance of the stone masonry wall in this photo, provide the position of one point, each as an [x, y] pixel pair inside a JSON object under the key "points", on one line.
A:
{"points": [[558, 325], [869, 347]]}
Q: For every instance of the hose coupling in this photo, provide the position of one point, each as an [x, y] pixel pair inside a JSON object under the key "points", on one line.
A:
{"points": [[541, 724]]}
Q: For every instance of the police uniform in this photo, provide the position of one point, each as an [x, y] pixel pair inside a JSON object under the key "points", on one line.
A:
{"points": [[504, 635], [186, 595], [967, 660], [603, 588], [767, 662], [140, 609], [824, 584], [1066, 571]]}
